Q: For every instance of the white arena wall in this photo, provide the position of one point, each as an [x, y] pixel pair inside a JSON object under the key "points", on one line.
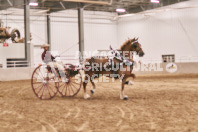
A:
{"points": [[161, 31], [11, 51], [10, 74], [164, 31], [100, 30]]}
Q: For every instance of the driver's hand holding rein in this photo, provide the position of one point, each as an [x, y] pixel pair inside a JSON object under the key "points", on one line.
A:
{"points": [[50, 61]]}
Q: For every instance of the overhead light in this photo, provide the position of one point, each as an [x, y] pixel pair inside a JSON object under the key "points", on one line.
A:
{"points": [[121, 10], [33, 4], [155, 1]]}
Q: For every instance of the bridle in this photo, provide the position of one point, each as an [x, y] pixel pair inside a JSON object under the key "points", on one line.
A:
{"points": [[139, 48]]}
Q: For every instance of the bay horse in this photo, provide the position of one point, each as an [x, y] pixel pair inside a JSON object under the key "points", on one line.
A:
{"points": [[99, 66]]}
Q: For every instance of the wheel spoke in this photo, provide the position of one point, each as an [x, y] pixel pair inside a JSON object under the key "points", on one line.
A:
{"points": [[41, 93], [62, 85], [39, 75], [69, 90], [63, 88], [74, 86], [76, 83], [50, 89], [49, 92], [37, 82], [40, 90], [72, 89], [41, 72], [75, 78], [46, 89], [38, 86], [51, 84], [53, 88], [45, 92], [66, 90]]}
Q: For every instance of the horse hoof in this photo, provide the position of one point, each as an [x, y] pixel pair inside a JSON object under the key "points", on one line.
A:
{"points": [[131, 83], [92, 91], [126, 98], [86, 96]]}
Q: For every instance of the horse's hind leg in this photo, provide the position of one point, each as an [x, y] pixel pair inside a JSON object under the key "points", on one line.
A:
{"points": [[94, 87], [86, 96]]}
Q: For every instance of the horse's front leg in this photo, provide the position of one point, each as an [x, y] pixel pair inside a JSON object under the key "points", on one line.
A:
{"points": [[130, 82], [86, 96], [122, 95]]}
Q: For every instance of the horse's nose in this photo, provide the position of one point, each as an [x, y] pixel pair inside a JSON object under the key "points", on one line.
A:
{"points": [[141, 54]]}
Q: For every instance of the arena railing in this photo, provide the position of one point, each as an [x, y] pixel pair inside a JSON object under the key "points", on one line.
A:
{"points": [[184, 59], [12, 64], [181, 59]]}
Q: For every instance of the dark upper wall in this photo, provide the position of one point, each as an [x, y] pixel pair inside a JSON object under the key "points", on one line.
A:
{"points": [[129, 5]]}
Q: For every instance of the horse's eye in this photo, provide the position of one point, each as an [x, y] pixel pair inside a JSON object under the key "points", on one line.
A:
{"points": [[135, 46]]}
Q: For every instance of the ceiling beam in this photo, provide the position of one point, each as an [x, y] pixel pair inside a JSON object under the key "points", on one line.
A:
{"points": [[62, 5], [87, 1], [10, 3], [143, 9]]}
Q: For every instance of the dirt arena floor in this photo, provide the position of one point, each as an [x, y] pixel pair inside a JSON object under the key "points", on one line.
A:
{"points": [[156, 103]]}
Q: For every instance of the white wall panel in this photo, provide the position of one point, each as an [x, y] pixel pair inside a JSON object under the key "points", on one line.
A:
{"points": [[100, 36], [99, 33], [165, 32], [99, 30], [15, 19]]}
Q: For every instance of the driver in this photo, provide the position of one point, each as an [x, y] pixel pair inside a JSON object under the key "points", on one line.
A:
{"points": [[50, 61]]}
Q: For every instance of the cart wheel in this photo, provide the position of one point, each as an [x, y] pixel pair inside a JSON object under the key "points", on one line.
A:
{"points": [[73, 84], [43, 83]]}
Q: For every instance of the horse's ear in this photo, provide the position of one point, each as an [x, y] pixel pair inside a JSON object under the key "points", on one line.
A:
{"points": [[132, 40], [137, 39], [110, 47]]}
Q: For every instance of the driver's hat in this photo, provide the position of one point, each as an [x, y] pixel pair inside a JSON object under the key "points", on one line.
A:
{"points": [[45, 45]]}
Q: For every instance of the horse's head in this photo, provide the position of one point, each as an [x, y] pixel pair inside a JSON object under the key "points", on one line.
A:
{"points": [[136, 46], [133, 45]]}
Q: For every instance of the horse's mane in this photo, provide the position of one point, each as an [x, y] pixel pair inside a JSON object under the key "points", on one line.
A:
{"points": [[126, 43]]}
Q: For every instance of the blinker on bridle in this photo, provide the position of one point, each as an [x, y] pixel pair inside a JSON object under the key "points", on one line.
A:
{"points": [[136, 47]]}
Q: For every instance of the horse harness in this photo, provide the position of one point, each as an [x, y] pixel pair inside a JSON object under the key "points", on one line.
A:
{"points": [[123, 61]]}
